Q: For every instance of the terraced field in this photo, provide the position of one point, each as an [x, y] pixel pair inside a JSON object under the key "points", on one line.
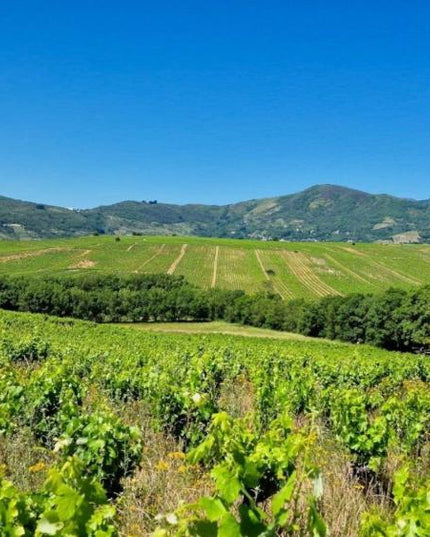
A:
{"points": [[292, 270]]}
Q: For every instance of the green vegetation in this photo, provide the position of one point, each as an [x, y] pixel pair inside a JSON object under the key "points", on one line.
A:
{"points": [[323, 212], [119, 431], [217, 327], [291, 270], [103, 428], [396, 319]]}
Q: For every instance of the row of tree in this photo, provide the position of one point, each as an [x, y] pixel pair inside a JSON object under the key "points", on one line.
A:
{"points": [[110, 298], [396, 319]]}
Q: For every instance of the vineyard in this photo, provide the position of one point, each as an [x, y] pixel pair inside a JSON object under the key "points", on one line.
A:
{"points": [[109, 431], [291, 270]]}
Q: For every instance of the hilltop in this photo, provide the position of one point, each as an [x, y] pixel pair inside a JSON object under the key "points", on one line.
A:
{"points": [[319, 213]]}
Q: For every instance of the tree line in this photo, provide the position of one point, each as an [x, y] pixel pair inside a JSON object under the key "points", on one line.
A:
{"points": [[396, 319]]}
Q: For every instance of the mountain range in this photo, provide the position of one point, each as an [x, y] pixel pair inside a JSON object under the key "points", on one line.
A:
{"points": [[322, 212]]}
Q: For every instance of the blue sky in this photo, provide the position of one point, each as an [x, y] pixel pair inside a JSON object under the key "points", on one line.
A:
{"points": [[214, 101]]}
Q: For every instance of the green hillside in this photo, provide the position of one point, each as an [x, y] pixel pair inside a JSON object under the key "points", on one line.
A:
{"points": [[292, 270], [324, 213]]}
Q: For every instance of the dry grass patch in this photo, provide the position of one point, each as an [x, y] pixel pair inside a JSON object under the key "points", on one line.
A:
{"points": [[345, 498], [23, 462], [163, 481], [237, 398], [84, 264]]}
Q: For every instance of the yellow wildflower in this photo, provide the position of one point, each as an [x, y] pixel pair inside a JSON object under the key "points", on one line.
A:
{"points": [[38, 467], [161, 466], [176, 455]]}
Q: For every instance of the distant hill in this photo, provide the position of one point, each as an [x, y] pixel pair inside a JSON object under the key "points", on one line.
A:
{"points": [[322, 212]]}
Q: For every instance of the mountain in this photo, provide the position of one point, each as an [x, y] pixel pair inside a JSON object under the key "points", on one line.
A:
{"points": [[322, 212]]}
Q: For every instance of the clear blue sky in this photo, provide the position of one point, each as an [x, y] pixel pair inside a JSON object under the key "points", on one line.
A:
{"points": [[212, 101]]}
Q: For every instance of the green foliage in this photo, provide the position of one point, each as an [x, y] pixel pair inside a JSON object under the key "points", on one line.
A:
{"points": [[18, 512], [96, 379], [51, 401], [27, 350], [75, 504], [70, 504], [249, 470], [11, 399], [411, 517], [365, 435], [395, 320], [108, 449], [108, 298], [408, 414]]}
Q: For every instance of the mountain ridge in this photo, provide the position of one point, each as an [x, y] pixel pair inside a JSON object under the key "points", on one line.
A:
{"points": [[320, 212]]}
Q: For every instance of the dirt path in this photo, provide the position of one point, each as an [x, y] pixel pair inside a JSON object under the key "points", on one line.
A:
{"points": [[36, 253], [84, 253], [157, 253], [215, 270], [176, 262], [260, 262], [275, 288], [352, 251]]}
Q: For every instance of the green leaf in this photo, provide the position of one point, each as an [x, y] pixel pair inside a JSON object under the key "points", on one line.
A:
{"points": [[213, 507], [251, 474], [229, 527], [284, 495], [45, 527], [228, 485], [316, 524], [203, 528], [251, 523], [68, 502]]}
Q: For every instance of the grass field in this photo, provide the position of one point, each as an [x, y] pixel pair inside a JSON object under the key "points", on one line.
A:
{"points": [[220, 327], [293, 270]]}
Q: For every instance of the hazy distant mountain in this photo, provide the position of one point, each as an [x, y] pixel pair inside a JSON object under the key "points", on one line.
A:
{"points": [[322, 212]]}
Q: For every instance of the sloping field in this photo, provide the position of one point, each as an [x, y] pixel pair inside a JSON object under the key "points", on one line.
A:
{"points": [[291, 270], [198, 265], [238, 268]]}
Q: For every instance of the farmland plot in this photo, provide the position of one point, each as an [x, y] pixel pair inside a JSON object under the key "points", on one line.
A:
{"points": [[401, 262], [175, 264], [380, 271], [301, 266], [37, 261], [346, 275], [290, 269], [239, 269], [118, 255], [162, 259], [283, 280], [197, 265]]}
